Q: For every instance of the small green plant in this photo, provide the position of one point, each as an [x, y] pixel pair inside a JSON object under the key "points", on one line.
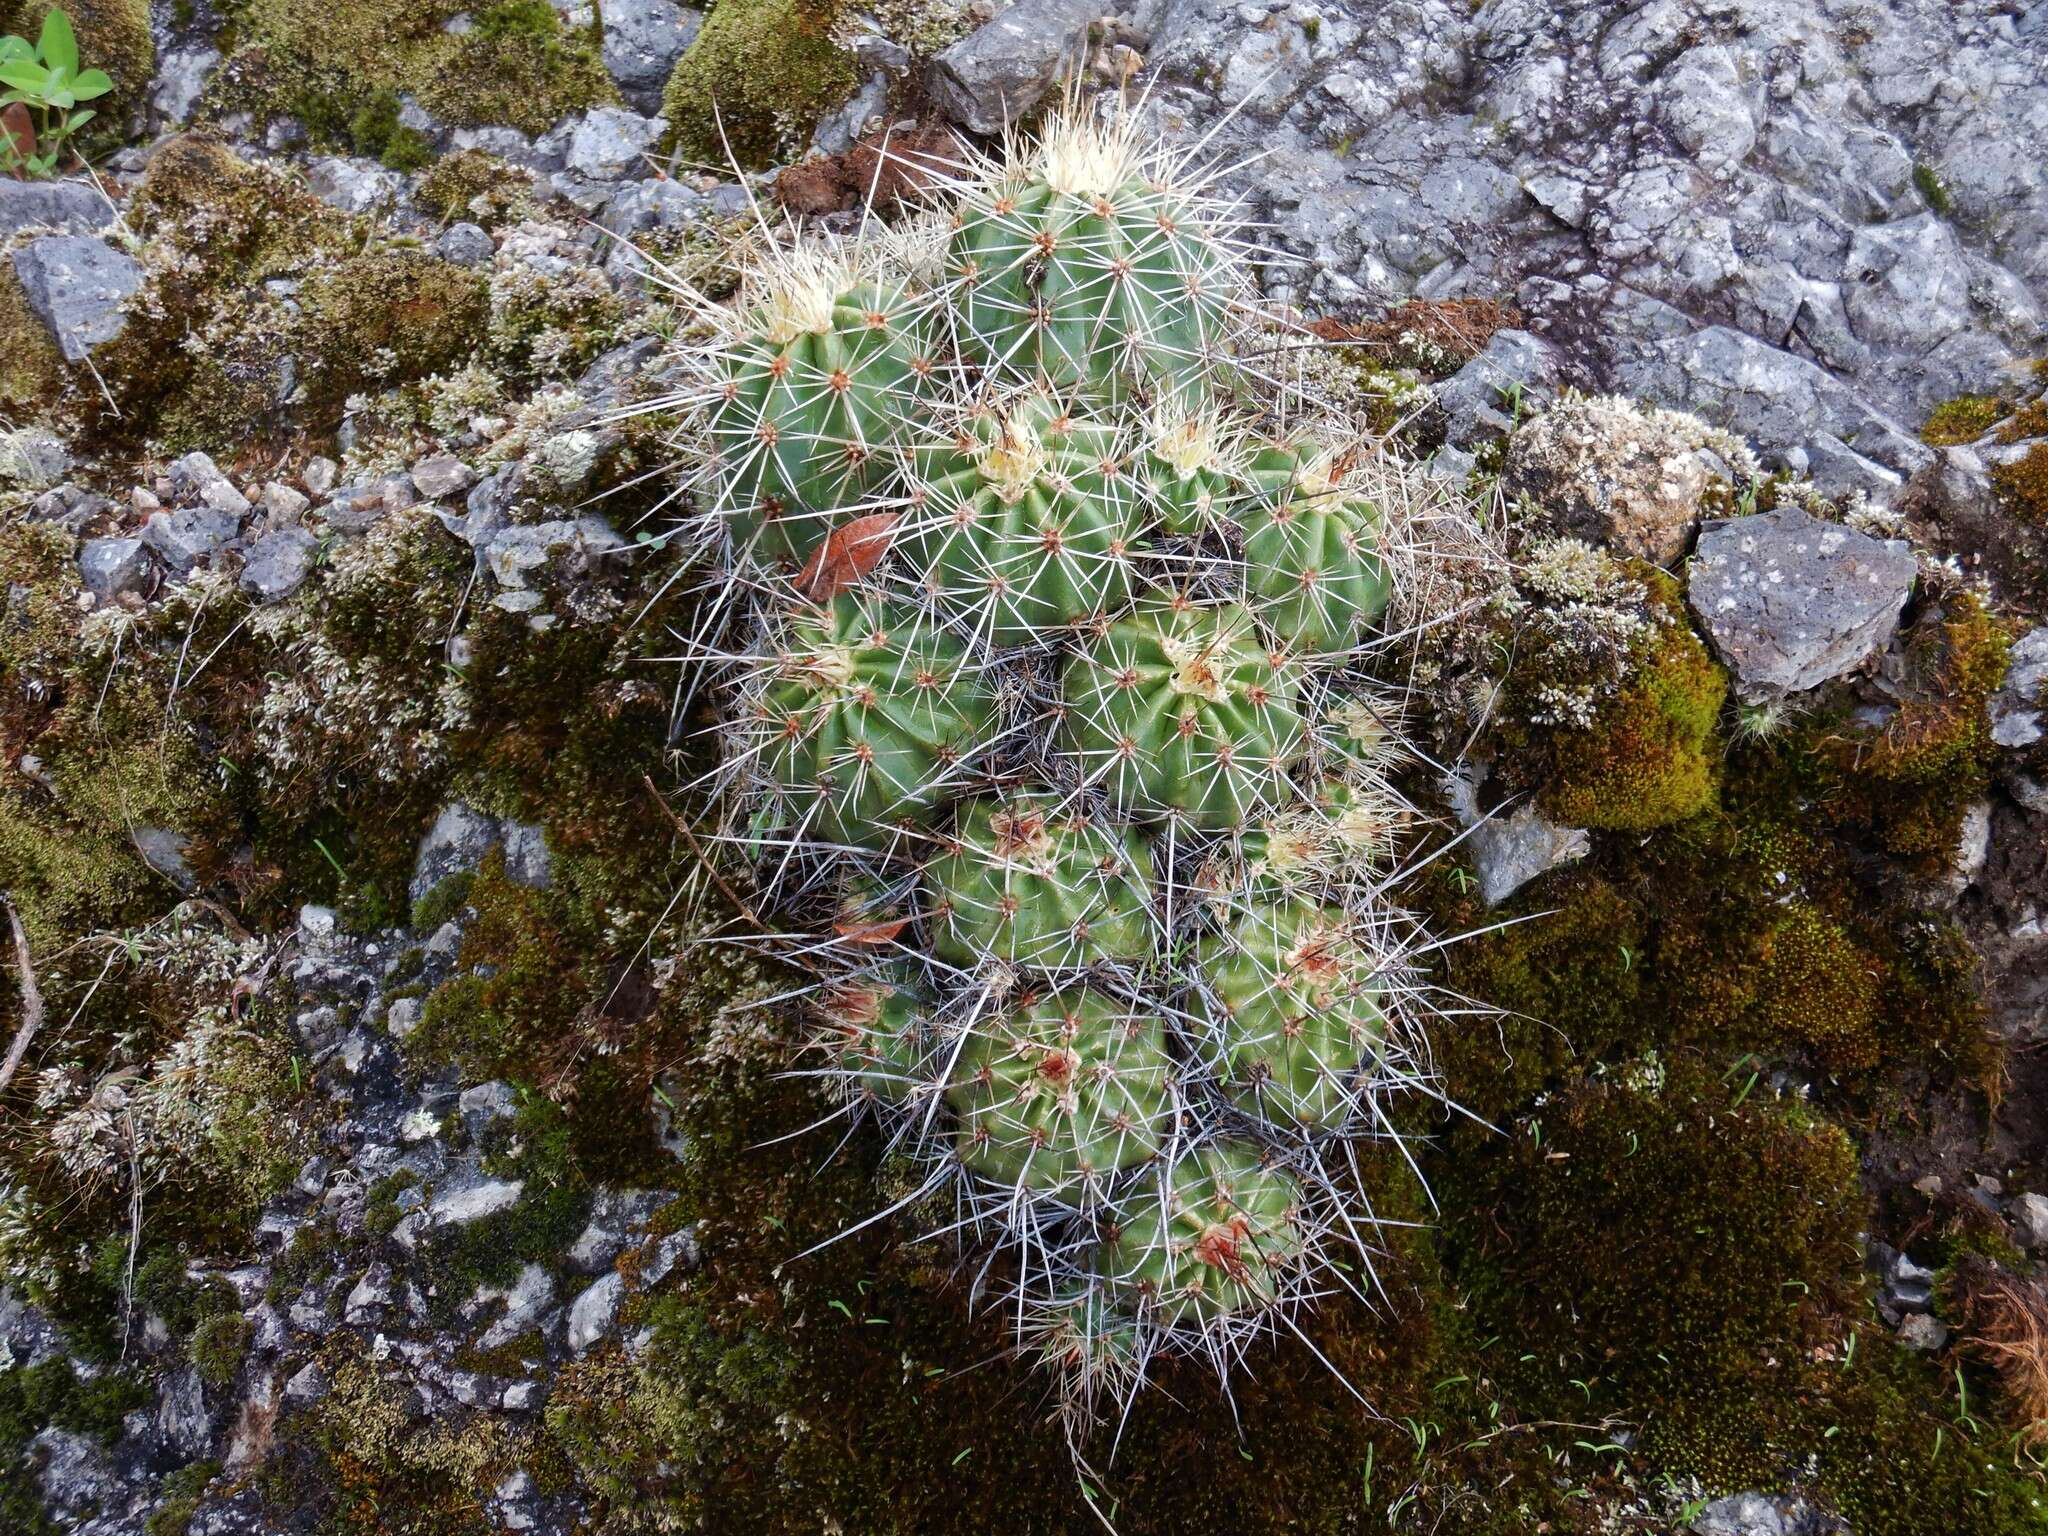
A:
{"points": [[39, 112]]}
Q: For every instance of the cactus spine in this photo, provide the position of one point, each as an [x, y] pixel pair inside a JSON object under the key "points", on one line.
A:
{"points": [[1081, 264], [1061, 1093], [868, 718], [1035, 880], [1180, 708], [1026, 522]]}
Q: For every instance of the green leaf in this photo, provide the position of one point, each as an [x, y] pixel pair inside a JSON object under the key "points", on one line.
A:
{"points": [[12, 48], [24, 75], [78, 120], [92, 83], [59, 45]]}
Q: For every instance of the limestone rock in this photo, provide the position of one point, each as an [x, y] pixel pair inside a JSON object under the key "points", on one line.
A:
{"points": [[1790, 601]]}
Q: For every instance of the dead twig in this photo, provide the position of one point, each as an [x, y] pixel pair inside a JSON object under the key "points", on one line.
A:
{"points": [[697, 848], [31, 997]]}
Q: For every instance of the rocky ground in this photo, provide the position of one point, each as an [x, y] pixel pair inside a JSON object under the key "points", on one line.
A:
{"points": [[389, 1150]]}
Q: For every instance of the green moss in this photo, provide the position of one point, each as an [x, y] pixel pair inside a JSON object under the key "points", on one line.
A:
{"points": [[766, 70], [1570, 979], [2022, 486], [1915, 779], [516, 64], [218, 1345], [1678, 1252], [182, 1491], [31, 367], [1929, 183], [387, 316], [443, 901], [1818, 986], [1963, 420], [1650, 757], [375, 131], [477, 186]]}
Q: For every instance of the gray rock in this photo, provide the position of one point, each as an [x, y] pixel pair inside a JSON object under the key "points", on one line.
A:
{"points": [[109, 567], [1509, 850], [181, 1416], [353, 508], [282, 505], [181, 76], [610, 142], [483, 1105], [458, 842], [196, 477], [1923, 1331], [593, 1314], [837, 130], [319, 475], [441, 477], [164, 851], [76, 285], [77, 1474], [569, 548], [74, 207], [473, 1202], [465, 244], [662, 1256], [527, 1300], [2029, 1214], [1740, 1514], [189, 535], [1789, 601], [355, 186], [642, 41], [278, 564], [604, 383], [2021, 701], [1479, 399], [614, 1216], [996, 74], [30, 456]]}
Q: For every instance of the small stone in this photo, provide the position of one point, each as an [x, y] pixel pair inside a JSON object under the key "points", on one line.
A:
{"points": [[75, 207], [164, 851], [523, 1397], [372, 1294], [462, 1206], [189, 535], [1740, 1514], [1611, 473], [181, 76], [611, 141], [996, 74], [527, 861], [441, 477], [278, 564], [354, 186], [282, 505], [1923, 1331], [2029, 1214], [2021, 701], [457, 843], [592, 1314], [485, 1103], [1478, 400], [77, 286], [402, 1016], [642, 41], [308, 1384], [465, 244], [1790, 602], [319, 475], [110, 567]]}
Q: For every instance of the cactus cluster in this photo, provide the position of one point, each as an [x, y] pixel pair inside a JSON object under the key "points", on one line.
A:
{"points": [[1068, 720]]}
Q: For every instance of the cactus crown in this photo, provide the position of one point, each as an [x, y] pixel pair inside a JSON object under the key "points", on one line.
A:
{"points": [[1070, 681]]}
